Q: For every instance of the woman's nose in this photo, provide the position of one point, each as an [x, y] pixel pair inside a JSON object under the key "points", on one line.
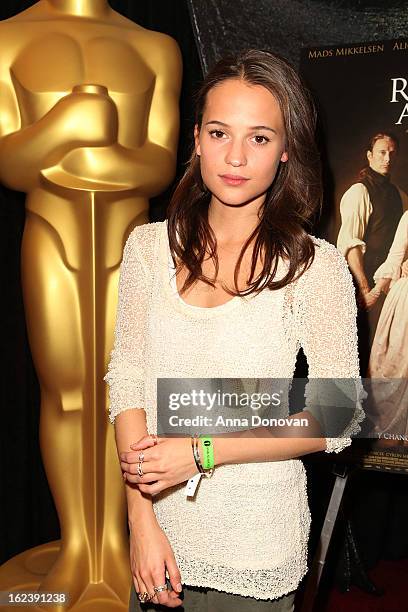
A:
{"points": [[235, 155]]}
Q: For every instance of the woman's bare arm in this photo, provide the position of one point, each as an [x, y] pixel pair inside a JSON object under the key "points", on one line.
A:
{"points": [[130, 425]]}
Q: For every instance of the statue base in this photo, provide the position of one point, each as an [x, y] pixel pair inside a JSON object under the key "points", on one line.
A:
{"points": [[27, 570]]}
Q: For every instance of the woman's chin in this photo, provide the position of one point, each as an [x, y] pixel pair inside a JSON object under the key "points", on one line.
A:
{"points": [[238, 199]]}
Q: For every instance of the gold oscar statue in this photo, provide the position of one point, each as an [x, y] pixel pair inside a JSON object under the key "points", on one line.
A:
{"points": [[88, 129]]}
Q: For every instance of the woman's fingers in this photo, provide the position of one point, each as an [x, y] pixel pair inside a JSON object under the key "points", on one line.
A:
{"points": [[152, 489], [147, 466], [150, 462], [133, 457], [174, 574], [145, 479], [141, 588], [149, 572], [157, 579], [145, 442], [149, 471], [166, 597]]}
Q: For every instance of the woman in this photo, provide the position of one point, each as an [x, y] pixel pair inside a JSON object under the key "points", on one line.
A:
{"points": [[235, 227], [389, 353]]}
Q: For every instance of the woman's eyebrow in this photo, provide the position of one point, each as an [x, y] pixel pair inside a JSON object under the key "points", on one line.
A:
{"points": [[263, 127], [254, 127], [218, 123]]}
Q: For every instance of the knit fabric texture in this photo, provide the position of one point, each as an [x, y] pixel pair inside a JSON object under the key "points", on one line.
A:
{"points": [[246, 530]]}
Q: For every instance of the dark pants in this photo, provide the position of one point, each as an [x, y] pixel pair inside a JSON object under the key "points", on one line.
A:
{"points": [[198, 599]]}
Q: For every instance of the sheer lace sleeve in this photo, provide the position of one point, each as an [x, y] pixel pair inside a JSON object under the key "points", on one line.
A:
{"points": [[325, 319], [126, 367]]}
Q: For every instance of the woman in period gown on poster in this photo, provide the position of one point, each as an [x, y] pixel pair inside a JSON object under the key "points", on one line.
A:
{"points": [[389, 353]]}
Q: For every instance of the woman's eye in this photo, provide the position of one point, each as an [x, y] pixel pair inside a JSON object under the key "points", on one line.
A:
{"points": [[218, 134], [261, 139]]}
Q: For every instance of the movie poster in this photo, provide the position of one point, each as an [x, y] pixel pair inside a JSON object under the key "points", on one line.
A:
{"points": [[361, 91]]}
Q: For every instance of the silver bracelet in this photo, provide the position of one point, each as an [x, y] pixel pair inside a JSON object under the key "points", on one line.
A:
{"points": [[196, 453]]}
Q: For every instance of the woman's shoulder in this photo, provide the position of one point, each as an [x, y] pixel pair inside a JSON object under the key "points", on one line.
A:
{"points": [[327, 254], [327, 284], [143, 240], [328, 264], [143, 234]]}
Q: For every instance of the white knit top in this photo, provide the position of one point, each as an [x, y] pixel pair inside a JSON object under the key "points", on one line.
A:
{"points": [[246, 530]]}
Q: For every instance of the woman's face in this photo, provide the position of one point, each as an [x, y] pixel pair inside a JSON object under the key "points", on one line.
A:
{"points": [[241, 142]]}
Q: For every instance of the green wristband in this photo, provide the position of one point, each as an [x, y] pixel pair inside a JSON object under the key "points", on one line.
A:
{"points": [[208, 452]]}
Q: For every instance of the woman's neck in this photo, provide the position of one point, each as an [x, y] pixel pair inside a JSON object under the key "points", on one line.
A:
{"points": [[232, 225], [81, 8]]}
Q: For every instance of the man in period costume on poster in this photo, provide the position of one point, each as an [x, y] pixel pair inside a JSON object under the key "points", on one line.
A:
{"points": [[370, 212]]}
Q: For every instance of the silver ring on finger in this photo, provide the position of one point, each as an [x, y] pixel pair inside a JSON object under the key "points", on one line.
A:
{"points": [[141, 456], [139, 469], [159, 589]]}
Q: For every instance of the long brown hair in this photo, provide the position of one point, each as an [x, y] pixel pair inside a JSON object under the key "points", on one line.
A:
{"points": [[291, 200]]}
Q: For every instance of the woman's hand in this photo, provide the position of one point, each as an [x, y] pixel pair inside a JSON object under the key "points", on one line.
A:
{"points": [[164, 464], [150, 555], [367, 299]]}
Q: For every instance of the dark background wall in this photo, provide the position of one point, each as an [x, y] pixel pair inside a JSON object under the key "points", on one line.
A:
{"points": [[285, 26], [27, 512]]}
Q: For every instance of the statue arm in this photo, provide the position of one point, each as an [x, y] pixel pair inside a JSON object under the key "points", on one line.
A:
{"points": [[148, 168], [75, 120], [163, 127], [155, 160]]}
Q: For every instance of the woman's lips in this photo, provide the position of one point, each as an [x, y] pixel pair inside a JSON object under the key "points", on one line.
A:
{"points": [[233, 179]]}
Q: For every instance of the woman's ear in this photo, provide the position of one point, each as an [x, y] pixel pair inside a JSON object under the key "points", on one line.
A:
{"points": [[197, 140], [284, 157]]}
